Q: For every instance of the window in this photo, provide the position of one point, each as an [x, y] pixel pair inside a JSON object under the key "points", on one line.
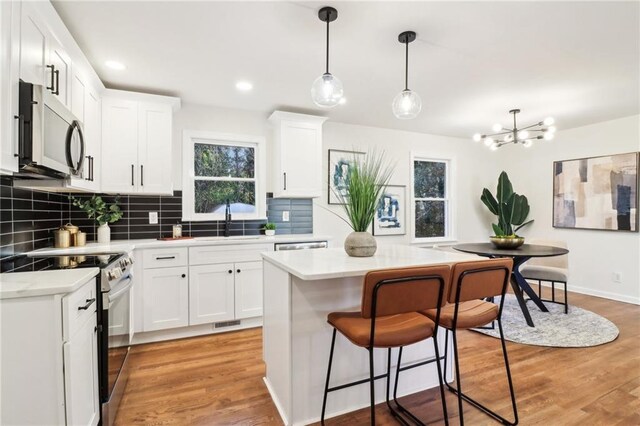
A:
{"points": [[219, 168], [431, 199]]}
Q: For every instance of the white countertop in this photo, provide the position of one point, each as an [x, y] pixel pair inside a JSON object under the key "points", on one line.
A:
{"points": [[42, 283], [118, 246], [335, 263]]}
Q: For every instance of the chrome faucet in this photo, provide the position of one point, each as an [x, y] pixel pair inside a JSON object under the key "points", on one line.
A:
{"points": [[227, 219]]}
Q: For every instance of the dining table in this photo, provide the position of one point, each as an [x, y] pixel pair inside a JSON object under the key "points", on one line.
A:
{"points": [[519, 255]]}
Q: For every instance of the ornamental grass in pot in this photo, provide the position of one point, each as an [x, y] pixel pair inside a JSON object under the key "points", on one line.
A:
{"points": [[365, 184], [511, 209]]}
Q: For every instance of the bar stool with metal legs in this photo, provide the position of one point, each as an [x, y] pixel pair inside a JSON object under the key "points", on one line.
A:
{"points": [[470, 283], [389, 318]]}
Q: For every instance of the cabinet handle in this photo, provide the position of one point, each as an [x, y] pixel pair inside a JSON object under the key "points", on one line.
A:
{"points": [[53, 71], [238, 270], [89, 303], [230, 271], [285, 180], [88, 157], [184, 275], [165, 257], [132, 167], [141, 174], [91, 168], [20, 149], [57, 91]]}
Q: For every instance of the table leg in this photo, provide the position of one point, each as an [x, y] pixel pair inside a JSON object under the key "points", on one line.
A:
{"points": [[524, 285], [523, 304]]}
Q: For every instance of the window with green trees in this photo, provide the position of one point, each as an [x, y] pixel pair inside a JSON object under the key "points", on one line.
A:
{"points": [[431, 198]]}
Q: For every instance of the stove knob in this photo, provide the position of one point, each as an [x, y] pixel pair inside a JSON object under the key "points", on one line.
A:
{"points": [[110, 276]]}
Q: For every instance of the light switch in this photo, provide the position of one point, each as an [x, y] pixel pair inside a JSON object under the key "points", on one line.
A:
{"points": [[285, 216], [153, 218]]}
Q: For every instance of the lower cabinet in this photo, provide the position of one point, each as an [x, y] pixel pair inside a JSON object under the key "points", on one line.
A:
{"points": [[211, 293], [248, 289], [165, 294]]}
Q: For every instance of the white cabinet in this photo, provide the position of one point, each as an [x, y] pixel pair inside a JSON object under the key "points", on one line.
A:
{"points": [[297, 155], [165, 295], [136, 143], [248, 289], [49, 360], [9, 83], [211, 293], [59, 69]]}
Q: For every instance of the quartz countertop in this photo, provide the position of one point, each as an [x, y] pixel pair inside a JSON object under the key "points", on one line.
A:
{"points": [[43, 283], [335, 263], [117, 246]]}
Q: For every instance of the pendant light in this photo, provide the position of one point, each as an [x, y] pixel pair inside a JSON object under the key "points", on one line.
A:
{"points": [[407, 104], [327, 90]]}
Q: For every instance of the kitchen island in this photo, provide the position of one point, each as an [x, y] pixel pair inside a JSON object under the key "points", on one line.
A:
{"points": [[300, 289]]}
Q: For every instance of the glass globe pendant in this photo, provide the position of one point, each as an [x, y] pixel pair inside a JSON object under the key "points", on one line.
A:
{"points": [[327, 90], [407, 104]]}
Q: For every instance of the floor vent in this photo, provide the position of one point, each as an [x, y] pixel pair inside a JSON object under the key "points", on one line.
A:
{"points": [[226, 324]]}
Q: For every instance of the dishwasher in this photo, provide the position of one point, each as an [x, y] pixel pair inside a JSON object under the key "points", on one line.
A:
{"points": [[301, 246]]}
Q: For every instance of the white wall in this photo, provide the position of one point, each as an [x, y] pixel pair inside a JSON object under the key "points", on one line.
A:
{"points": [[473, 169], [594, 255]]}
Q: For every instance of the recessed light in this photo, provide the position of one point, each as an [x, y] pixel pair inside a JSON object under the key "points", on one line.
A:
{"points": [[115, 65], [342, 100], [244, 86]]}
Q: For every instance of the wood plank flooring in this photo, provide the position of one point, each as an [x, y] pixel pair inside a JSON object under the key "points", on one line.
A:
{"points": [[217, 380]]}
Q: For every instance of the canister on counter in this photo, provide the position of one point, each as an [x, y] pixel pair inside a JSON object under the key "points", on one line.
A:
{"points": [[73, 231], [177, 231], [81, 239], [62, 238]]}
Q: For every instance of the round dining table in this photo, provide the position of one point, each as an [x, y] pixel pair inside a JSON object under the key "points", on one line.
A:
{"points": [[519, 256]]}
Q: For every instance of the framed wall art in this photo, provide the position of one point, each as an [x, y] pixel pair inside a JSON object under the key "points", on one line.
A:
{"points": [[390, 218], [596, 193], [340, 162]]}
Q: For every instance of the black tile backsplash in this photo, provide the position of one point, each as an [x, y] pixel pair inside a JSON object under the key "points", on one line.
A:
{"points": [[28, 218]]}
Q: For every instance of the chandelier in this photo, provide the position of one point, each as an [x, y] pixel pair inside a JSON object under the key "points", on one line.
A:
{"points": [[525, 136]]}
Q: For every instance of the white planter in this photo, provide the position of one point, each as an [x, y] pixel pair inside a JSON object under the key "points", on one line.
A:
{"points": [[269, 232], [104, 234]]}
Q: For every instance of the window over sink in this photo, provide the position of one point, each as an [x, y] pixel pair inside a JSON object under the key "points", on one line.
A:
{"points": [[223, 167]]}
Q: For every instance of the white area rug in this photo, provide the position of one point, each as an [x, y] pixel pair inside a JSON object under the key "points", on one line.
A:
{"points": [[577, 329]]}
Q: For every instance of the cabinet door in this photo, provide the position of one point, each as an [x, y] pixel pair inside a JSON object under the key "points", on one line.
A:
{"points": [[154, 149], [10, 71], [78, 97], [211, 293], [248, 289], [81, 375], [119, 146], [61, 62], [33, 47], [300, 158], [165, 298], [93, 137]]}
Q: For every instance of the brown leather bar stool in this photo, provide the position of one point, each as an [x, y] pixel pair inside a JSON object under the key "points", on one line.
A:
{"points": [[389, 318], [470, 283]]}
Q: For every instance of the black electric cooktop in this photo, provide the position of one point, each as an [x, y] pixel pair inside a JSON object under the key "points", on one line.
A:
{"points": [[24, 263]]}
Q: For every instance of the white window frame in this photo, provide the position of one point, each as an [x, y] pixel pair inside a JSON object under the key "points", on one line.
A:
{"points": [[448, 199], [189, 139]]}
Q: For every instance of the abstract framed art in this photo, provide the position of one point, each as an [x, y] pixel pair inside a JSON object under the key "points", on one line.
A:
{"points": [[340, 163], [390, 217], [597, 193]]}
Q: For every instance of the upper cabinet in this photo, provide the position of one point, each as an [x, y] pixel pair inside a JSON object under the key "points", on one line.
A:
{"points": [[9, 70], [136, 143], [297, 155]]}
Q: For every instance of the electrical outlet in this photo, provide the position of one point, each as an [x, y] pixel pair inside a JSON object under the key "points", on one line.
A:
{"points": [[153, 218], [285, 216], [616, 277]]}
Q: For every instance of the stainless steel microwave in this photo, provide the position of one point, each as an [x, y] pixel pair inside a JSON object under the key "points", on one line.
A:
{"points": [[50, 138]]}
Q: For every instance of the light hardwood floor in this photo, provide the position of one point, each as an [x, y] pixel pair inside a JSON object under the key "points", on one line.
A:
{"points": [[217, 380]]}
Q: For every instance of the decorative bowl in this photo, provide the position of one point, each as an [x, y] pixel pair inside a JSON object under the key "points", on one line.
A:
{"points": [[507, 242]]}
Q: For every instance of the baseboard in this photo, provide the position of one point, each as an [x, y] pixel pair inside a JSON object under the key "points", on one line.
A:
{"points": [[192, 331], [605, 294], [276, 401]]}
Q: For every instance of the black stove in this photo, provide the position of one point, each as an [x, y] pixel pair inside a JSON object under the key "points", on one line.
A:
{"points": [[24, 263]]}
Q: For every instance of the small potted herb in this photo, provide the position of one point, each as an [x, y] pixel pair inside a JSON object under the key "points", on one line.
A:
{"points": [[269, 229], [103, 213]]}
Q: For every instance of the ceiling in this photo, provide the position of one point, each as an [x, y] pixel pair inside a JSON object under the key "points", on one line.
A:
{"points": [[471, 63]]}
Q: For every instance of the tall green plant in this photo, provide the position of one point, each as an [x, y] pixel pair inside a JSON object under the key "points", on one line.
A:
{"points": [[511, 208], [367, 181], [96, 208]]}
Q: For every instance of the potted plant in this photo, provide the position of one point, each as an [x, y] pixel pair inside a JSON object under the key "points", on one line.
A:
{"points": [[367, 180], [103, 213], [269, 229], [511, 209]]}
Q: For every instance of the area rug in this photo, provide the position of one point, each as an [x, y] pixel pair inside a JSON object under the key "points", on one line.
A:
{"points": [[577, 329]]}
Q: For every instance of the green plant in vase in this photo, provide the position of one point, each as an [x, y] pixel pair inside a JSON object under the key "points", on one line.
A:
{"points": [[269, 229], [367, 180], [103, 213], [511, 209]]}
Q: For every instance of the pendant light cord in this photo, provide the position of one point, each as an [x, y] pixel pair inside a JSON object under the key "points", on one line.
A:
{"points": [[327, 72], [406, 66]]}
